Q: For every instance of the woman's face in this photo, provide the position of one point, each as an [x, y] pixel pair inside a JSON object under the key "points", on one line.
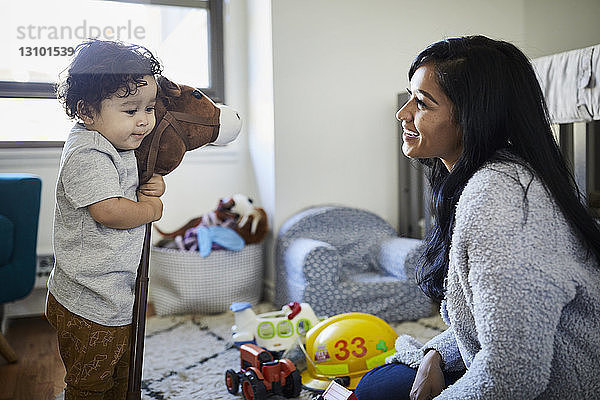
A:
{"points": [[428, 128]]}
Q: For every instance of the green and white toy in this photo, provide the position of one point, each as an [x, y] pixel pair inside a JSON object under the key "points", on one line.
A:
{"points": [[274, 331]]}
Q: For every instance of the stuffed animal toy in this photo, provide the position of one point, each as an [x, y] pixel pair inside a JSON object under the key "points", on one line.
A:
{"points": [[251, 221], [236, 212], [222, 216], [186, 119], [203, 239]]}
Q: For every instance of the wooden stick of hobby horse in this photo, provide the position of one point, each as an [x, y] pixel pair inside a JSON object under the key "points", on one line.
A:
{"points": [[138, 325]]}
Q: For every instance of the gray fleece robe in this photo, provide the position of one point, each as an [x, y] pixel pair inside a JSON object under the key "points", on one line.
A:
{"points": [[522, 297]]}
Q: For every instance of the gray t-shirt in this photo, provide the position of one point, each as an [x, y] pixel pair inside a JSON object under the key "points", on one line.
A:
{"points": [[95, 268]]}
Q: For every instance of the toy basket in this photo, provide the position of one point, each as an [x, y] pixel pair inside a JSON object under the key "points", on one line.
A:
{"points": [[184, 282]]}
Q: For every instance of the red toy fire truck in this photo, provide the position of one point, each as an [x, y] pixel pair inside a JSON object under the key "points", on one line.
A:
{"points": [[261, 376]]}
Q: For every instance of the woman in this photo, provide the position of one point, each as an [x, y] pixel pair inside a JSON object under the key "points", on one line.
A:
{"points": [[513, 255]]}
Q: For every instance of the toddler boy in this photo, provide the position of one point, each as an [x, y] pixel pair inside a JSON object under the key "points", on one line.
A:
{"points": [[100, 214]]}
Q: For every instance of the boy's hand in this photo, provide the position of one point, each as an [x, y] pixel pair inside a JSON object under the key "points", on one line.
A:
{"points": [[154, 205], [154, 187]]}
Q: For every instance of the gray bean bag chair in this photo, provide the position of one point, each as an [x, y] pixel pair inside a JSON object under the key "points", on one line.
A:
{"points": [[341, 259]]}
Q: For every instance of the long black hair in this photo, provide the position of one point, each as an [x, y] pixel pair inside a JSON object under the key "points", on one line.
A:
{"points": [[500, 109]]}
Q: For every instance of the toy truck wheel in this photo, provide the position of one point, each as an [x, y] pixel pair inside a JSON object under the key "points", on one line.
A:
{"points": [[252, 387], [293, 385], [232, 381]]}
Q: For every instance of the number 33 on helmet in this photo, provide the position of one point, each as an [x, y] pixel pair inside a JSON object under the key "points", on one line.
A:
{"points": [[344, 347]]}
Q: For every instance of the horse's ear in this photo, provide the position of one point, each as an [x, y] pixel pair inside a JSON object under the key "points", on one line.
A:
{"points": [[170, 89]]}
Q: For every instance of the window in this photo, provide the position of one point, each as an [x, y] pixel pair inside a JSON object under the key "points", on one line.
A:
{"points": [[185, 35]]}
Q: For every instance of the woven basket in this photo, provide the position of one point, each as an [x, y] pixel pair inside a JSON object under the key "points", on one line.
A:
{"points": [[184, 282]]}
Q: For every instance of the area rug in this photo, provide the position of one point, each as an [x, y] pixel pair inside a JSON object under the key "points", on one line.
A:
{"points": [[186, 356]]}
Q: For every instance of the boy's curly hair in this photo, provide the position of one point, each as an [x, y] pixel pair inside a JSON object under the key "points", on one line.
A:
{"points": [[99, 70]]}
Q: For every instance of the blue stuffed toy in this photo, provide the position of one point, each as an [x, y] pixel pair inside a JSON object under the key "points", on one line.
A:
{"points": [[222, 237]]}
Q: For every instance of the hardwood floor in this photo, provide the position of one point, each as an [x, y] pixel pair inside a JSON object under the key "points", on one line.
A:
{"points": [[39, 372]]}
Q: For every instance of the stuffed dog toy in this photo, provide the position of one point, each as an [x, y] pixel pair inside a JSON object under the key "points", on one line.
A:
{"points": [[186, 119], [222, 216], [251, 221]]}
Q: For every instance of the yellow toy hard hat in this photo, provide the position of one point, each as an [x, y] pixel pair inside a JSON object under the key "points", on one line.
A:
{"points": [[346, 346]]}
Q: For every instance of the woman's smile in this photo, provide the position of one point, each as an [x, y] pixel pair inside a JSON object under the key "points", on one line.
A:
{"points": [[409, 135]]}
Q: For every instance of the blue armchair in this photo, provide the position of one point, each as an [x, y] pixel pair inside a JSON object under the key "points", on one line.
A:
{"points": [[19, 215], [342, 259]]}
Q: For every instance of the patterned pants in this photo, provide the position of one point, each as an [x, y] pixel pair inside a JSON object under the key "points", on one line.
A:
{"points": [[96, 357]]}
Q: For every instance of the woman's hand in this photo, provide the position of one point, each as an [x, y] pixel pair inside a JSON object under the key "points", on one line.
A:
{"points": [[154, 187], [429, 381]]}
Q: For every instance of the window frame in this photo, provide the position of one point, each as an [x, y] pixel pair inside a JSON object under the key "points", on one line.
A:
{"points": [[216, 90]]}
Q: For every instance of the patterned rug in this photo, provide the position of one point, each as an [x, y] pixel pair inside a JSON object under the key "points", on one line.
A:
{"points": [[186, 356]]}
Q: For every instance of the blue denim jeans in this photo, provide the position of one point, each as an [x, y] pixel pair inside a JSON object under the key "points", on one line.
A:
{"points": [[392, 382]]}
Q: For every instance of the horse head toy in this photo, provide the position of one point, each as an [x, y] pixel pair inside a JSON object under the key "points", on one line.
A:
{"points": [[186, 119]]}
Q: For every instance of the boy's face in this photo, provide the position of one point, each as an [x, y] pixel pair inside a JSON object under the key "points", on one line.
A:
{"points": [[125, 121]]}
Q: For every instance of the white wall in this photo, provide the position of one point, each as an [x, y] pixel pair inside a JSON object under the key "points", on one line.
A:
{"points": [[554, 26], [338, 66]]}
